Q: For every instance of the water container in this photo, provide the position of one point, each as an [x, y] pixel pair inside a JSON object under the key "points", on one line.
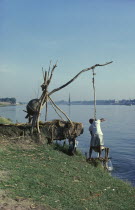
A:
{"points": [[109, 165]]}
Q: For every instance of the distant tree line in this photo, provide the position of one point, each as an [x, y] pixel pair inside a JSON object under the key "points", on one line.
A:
{"points": [[99, 102], [9, 100]]}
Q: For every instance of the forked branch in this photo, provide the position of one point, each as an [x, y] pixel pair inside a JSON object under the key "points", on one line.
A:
{"points": [[53, 68]]}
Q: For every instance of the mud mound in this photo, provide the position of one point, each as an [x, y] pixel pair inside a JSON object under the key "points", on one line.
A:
{"points": [[54, 130]]}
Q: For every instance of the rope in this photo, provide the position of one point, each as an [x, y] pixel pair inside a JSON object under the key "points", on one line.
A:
{"points": [[93, 81]]}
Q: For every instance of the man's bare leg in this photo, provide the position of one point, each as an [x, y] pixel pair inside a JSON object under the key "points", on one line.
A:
{"points": [[90, 152], [100, 151], [106, 153]]}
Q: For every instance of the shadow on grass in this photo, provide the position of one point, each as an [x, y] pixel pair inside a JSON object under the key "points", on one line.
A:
{"points": [[65, 149], [61, 148]]}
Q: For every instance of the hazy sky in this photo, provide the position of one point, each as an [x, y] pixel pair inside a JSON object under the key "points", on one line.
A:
{"points": [[77, 33]]}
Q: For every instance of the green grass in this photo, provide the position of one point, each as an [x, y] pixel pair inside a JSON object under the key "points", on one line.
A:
{"points": [[48, 176], [5, 120]]}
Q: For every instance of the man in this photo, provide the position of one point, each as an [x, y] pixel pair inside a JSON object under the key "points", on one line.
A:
{"points": [[97, 142]]}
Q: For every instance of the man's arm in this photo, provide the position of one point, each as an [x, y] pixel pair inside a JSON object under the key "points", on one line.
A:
{"points": [[90, 130], [102, 120]]}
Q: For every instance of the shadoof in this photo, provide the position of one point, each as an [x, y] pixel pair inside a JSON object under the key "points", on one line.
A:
{"points": [[56, 129]]}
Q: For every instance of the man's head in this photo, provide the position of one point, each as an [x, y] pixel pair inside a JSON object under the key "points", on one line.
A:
{"points": [[91, 120]]}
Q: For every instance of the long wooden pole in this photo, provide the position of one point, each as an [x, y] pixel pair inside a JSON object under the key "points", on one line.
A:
{"points": [[93, 80], [84, 70]]}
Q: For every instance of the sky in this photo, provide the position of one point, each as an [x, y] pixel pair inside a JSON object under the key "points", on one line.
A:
{"points": [[76, 34]]}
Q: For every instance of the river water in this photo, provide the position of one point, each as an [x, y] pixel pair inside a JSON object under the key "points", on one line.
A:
{"points": [[118, 129]]}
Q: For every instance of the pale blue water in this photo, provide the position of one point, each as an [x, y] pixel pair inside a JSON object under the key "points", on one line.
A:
{"points": [[118, 129]]}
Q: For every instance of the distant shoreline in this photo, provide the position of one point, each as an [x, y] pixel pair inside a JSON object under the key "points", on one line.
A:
{"points": [[2, 104], [6, 104], [71, 104], [98, 102]]}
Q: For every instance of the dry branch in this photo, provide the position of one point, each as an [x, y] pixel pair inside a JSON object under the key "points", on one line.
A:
{"points": [[53, 68], [84, 70], [56, 110], [59, 109], [49, 69]]}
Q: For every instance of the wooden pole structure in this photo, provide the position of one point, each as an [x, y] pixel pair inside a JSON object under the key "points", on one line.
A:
{"points": [[93, 81], [46, 95]]}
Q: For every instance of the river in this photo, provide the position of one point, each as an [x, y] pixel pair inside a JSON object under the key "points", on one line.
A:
{"points": [[118, 129]]}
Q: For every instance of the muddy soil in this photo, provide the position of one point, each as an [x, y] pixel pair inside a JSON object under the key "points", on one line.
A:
{"points": [[55, 130], [7, 203]]}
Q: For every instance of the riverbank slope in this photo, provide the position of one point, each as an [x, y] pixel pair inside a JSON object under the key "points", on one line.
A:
{"points": [[46, 177], [5, 120]]}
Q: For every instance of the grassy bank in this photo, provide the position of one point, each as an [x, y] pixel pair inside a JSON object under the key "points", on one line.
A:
{"points": [[5, 120], [48, 176]]}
